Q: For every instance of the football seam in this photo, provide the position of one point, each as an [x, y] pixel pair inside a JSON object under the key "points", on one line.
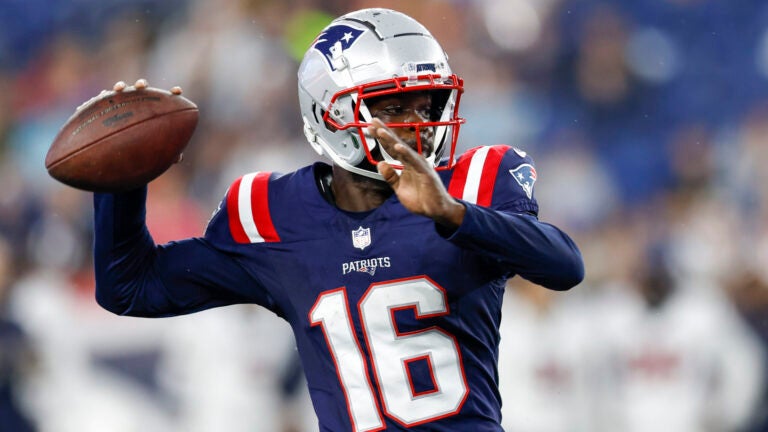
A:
{"points": [[69, 155]]}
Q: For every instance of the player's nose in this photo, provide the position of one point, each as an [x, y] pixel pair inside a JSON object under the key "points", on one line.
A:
{"points": [[419, 138]]}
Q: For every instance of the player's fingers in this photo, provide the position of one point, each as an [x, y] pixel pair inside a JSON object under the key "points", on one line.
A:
{"points": [[408, 156], [119, 86], [389, 173], [402, 152], [395, 146], [387, 140], [385, 136], [141, 83], [176, 90]]}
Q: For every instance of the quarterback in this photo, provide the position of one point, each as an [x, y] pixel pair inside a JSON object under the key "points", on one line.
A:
{"points": [[389, 263]]}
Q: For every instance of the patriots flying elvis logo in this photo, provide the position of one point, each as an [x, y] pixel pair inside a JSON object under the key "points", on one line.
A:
{"points": [[334, 40], [525, 175]]}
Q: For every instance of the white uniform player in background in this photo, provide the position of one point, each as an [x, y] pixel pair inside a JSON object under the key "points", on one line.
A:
{"points": [[673, 356], [543, 360], [649, 354]]}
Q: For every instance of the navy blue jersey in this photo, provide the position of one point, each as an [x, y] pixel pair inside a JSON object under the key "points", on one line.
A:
{"points": [[396, 320]]}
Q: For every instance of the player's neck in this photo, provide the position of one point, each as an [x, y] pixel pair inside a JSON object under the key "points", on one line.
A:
{"points": [[356, 193]]}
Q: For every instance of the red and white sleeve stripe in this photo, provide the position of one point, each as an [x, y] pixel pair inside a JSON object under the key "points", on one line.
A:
{"points": [[248, 209], [475, 174]]}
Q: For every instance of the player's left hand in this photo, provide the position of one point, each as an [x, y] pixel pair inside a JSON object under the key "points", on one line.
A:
{"points": [[417, 186]]}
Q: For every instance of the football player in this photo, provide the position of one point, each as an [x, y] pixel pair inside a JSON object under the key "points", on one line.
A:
{"points": [[389, 264]]}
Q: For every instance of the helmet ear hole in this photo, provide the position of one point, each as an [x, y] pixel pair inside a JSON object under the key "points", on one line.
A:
{"points": [[328, 126], [315, 110]]}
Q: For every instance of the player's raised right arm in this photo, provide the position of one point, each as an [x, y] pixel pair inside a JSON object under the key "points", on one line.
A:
{"points": [[138, 278]]}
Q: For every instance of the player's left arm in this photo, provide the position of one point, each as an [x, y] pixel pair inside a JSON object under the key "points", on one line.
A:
{"points": [[535, 250], [510, 232]]}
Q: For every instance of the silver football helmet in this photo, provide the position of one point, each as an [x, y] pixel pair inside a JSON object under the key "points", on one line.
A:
{"points": [[367, 54]]}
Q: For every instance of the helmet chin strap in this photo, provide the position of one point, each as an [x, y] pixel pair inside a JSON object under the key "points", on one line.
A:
{"points": [[349, 167], [391, 160], [363, 172]]}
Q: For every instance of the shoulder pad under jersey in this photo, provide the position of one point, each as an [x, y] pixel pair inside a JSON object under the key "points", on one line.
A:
{"points": [[244, 214], [496, 176]]}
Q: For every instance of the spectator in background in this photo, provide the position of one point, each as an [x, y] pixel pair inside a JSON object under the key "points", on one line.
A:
{"points": [[15, 353], [218, 377], [231, 61], [659, 64], [749, 289]]}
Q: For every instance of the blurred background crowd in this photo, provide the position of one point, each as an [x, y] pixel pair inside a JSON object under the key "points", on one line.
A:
{"points": [[648, 121]]}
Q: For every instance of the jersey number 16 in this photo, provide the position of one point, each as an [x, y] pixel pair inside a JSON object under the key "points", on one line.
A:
{"points": [[390, 353]]}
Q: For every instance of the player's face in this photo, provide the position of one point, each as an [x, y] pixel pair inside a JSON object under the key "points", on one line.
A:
{"points": [[410, 107]]}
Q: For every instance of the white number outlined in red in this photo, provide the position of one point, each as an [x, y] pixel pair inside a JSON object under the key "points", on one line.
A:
{"points": [[391, 352]]}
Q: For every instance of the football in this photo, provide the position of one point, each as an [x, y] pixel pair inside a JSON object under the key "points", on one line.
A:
{"points": [[121, 140]]}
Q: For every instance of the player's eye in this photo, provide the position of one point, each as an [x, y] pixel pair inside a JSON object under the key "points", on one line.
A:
{"points": [[398, 111], [392, 110]]}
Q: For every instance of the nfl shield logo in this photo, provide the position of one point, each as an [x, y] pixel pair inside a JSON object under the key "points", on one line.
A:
{"points": [[361, 238]]}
